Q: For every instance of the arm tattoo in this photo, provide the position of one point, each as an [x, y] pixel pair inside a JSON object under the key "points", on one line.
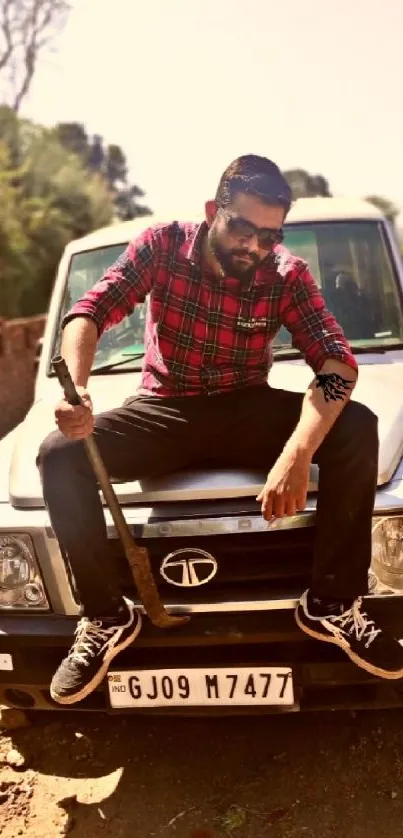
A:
{"points": [[333, 385]]}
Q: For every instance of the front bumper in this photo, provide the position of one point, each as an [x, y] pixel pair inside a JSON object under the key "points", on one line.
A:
{"points": [[323, 677]]}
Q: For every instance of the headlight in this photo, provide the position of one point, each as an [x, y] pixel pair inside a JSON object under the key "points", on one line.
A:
{"points": [[21, 584], [387, 552]]}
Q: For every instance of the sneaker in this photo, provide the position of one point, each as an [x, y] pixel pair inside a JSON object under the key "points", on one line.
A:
{"points": [[96, 643], [365, 643]]}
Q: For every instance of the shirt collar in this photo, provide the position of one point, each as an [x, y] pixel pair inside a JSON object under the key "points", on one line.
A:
{"points": [[192, 249]]}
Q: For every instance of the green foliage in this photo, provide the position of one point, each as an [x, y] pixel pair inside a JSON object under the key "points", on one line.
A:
{"points": [[109, 162], [13, 242], [304, 185], [387, 207], [50, 192]]}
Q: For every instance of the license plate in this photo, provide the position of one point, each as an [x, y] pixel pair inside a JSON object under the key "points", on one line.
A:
{"points": [[202, 687]]}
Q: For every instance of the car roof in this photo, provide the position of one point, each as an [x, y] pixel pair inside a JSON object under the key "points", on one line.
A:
{"points": [[303, 210]]}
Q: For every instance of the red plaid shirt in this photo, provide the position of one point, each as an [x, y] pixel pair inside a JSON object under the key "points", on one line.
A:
{"points": [[206, 335]]}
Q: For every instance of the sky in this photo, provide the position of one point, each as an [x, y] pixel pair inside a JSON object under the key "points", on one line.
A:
{"points": [[186, 86]]}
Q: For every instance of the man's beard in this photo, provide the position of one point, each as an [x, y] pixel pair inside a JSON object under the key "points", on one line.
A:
{"points": [[225, 258]]}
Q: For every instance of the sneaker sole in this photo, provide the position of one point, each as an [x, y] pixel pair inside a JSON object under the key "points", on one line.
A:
{"points": [[374, 670], [100, 675]]}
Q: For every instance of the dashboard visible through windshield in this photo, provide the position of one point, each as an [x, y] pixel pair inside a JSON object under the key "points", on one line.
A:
{"points": [[349, 260]]}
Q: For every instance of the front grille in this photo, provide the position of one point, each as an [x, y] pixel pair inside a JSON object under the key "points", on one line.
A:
{"points": [[249, 564]]}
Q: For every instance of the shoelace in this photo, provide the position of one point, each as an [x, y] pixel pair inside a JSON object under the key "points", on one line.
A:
{"points": [[90, 638], [360, 623]]}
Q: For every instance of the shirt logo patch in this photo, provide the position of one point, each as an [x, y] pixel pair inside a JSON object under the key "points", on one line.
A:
{"points": [[252, 322]]}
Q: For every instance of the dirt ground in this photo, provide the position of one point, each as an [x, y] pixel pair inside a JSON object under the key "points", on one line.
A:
{"points": [[94, 776]]}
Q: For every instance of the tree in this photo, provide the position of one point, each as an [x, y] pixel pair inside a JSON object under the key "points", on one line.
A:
{"points": [[95, 155], [115, 167], [47, 197], [65, 203], [27, 27], [125, 196], [110, 163], [389, 209], [73, 136], [304, 185], [55, 185], [13, 242]]}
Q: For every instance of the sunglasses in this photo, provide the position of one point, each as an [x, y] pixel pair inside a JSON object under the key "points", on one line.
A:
{"points": [[242, 228]]}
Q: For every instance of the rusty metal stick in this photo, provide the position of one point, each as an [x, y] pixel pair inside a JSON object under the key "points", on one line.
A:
{"points": [[137, 557]]}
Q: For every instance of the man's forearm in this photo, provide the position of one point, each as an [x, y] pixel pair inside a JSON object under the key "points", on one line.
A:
{"points": [[79, 342], [324, 400]]}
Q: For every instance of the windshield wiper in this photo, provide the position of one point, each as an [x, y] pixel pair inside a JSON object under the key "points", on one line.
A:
{"points": [[107, 367], [280, 347], [287, 348], [371, 346]]}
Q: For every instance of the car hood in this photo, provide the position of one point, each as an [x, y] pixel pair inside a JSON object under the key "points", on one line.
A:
{"points": [[379, 387]]}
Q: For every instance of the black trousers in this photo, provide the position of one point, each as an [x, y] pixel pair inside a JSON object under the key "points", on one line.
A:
{"points": [[150, 436]]}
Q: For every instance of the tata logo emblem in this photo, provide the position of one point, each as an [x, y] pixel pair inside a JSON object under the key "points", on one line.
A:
{"points": [[188, 568]]}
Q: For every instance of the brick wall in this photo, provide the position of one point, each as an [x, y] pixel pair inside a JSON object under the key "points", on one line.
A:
{"points": [[18, 339]]}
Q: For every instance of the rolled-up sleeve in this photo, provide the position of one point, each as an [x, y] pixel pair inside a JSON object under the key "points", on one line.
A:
{"points": [[315, 331], [125, 284]]}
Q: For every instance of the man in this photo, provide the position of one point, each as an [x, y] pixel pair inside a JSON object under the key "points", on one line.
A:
{"points": [[218, 294]]}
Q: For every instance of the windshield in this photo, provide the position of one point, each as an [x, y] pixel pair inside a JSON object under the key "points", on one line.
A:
{"points": [[352, 266], [126, 340], [350, 262]]}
